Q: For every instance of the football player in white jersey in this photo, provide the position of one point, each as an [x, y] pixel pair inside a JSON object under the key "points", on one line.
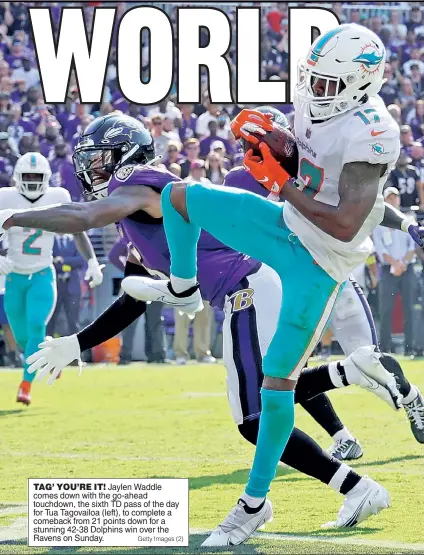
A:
{"points": [[347, 144], [30, 292]]}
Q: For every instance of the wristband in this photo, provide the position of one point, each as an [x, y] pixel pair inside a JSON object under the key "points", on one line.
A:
{"points": [[406, 222]]}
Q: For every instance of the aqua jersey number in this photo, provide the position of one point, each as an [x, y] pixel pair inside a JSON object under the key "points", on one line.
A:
{"points": [[27, 247], [313, 177]]}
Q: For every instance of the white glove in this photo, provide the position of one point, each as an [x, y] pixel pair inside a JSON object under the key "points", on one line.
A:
{"points": [[5, 215], [94, 273], [6, 265], [53, 356]]}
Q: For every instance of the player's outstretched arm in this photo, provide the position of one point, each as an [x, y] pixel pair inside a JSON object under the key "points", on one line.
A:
{"points": [[394, 219], [358, 187], [79, 216]]}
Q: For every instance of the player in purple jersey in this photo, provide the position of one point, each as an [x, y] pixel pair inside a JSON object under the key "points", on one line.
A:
{"points": [[112, 160]]}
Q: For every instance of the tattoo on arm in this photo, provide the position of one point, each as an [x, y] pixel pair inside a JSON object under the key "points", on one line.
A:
{"points": [[84, 246]]}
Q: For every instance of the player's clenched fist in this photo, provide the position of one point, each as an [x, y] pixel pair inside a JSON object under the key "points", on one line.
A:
{"points": [[266, 170], [251, 121]]}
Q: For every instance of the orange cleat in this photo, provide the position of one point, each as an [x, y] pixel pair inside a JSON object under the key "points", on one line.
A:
{"points": [[24, 393]]}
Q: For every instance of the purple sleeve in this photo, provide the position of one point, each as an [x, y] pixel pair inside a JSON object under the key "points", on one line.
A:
{"points": [[142, 176], [241, 178], [118, 249]]}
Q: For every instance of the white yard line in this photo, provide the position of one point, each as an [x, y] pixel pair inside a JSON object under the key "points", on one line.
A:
{"points": [[18, 530], [15, 509], [385, 544]]}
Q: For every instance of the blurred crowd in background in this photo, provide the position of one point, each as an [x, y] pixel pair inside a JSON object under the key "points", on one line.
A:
{"points": [[196, 143]]}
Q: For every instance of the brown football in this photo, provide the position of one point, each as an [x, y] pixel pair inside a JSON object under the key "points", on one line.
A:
{"points": [[282, 144]]}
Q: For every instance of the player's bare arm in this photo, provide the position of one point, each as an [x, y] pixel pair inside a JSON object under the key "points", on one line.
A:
{"points": [[84, 246], [358, 187], [78, 217]]}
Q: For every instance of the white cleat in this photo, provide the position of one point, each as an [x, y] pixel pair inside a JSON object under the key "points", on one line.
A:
{"points": [[239, 525], [363, 368], [367, 498], [148, 289]]}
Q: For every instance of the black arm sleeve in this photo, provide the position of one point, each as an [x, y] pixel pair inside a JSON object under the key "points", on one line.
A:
{"points": [[392, 217], [117, 317]]}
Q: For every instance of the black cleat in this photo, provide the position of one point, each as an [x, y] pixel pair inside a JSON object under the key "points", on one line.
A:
{"points": [[393, 366], [415, 412]]}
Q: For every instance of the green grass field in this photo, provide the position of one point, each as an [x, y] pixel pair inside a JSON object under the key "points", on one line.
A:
{"points": [[147, 421]]}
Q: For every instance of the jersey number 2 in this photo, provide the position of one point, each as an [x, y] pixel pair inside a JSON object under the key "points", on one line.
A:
{"points": [[313, 177], [27, 247]]}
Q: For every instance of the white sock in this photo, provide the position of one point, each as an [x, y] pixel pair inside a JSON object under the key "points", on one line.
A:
{"points": [[252, 502], [180, 284], [343, 435], [359, 485], [351, 372], [335, 375], [411, 396], [339, 477]]}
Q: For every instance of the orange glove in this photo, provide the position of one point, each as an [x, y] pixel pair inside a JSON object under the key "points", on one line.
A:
{"points": [[251, 121], [267, 171]]}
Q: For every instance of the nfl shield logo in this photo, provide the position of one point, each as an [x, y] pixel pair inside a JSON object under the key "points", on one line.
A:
{"points": [[308, 133]]}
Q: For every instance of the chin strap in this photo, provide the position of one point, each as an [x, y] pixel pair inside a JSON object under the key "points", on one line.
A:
{"points": [[153, 162]]}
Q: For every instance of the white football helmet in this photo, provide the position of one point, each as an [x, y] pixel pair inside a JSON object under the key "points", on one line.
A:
{"points": [[32, 175], [349, 63]]}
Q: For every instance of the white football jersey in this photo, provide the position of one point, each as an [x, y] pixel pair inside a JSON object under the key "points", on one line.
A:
{"points": [[365, 134], [30, 249]]}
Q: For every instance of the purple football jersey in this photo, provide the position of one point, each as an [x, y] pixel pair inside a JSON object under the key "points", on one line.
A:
{"points": [[219, 267], [242, 179]]}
